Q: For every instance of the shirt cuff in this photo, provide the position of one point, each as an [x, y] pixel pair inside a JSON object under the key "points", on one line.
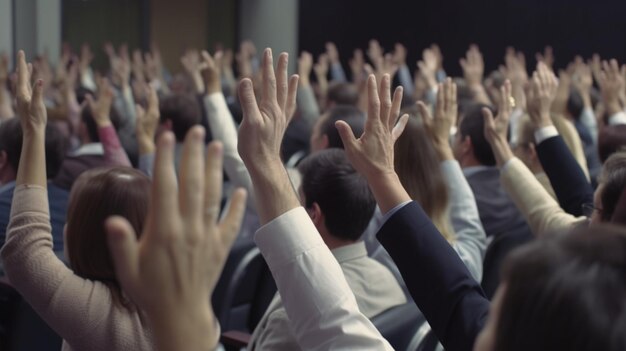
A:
{"points": [[280, 243], [393, 211], [618, 118], [545, 133]]}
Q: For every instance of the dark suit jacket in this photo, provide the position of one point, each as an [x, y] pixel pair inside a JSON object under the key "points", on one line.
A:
{"points": [[497, 211], [57, 201], [440, 284], [73, 166], [567, 178]]}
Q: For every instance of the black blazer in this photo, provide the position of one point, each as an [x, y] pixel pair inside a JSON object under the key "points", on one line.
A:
{"points": [[568, 180], [452, 301]]}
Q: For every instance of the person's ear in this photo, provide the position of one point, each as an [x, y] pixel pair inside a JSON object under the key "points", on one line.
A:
{"points": [[466, 145], [168, 124], [4, 160], [315, 212]]}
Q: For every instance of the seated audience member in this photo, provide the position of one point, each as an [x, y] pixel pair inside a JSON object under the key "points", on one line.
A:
{"points": [[324, 134], [544, 215], [458, 311], [340, 205], [427, 169], [85, 304], [498, 213], [10, 150], [100, 145], [525, 150]]}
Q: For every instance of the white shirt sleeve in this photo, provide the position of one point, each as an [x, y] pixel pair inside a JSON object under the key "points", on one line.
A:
{"points": [[618, 118], [322, 309], [545, 133], [223, 129]]}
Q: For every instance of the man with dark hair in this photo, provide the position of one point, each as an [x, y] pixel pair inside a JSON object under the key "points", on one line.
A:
{"points": [[325, 135], [498, 213], [342, 93], [340, 204], [10, 150]]}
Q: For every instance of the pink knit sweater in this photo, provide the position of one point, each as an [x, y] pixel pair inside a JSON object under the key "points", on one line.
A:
{"points": [[81, 311]]}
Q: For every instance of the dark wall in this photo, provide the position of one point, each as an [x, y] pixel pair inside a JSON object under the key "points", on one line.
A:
{"points": [[570, 26]]}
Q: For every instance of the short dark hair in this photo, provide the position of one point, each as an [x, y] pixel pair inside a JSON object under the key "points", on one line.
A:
{"points": [[565, 292], [349, 114], [342, 194], [343, 94], [183, 111], [611, 139], [11, 142], [473, 125], [613, 180]]}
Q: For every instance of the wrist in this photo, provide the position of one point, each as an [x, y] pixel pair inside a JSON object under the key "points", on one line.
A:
{"points": [[214, 87], [387, 190], [195, 329], [146, 146], [501, 151], [613, 106], [544, 121]]}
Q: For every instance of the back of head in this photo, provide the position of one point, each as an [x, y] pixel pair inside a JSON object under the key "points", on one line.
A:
{"points": [[182, 111], [418, 168], [343, 94], [11, 143], [342, 194], [566, 293], [349, 114], [91, 126], [610, 140], [612, 181], [96, 195], [472, 126]]}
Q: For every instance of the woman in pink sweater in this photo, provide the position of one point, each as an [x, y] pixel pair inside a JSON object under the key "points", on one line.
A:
{"points": [[84, 305]]}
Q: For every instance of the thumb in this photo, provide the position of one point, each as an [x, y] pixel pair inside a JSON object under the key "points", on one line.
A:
{"points": [[124, 251], [346, 134], [248, 100], [399, 127], [37, 97]]}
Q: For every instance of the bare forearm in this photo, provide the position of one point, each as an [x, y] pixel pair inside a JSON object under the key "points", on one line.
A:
{"points": [[273, 191], [189, 331], [33, 159], [388, 191]]}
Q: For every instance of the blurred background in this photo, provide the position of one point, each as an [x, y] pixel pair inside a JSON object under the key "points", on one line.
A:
{"points": [[570, 26]]}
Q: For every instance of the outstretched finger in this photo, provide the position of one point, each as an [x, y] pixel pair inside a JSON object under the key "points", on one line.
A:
{"points": [[347, 135], [248, 101], [399, 127], [373, 106], [489, 123], [290, 107], [23, 77], [191, 176], [384, 95], [231, 222], [396, 104], [164, 201], [269, 78], [427, 119], [213, 173], [282, 85]]}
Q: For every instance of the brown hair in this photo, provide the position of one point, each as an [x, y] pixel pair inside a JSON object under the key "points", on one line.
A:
{"points": [[565, 292], [613, 182], [418, 168], [96, 195]]}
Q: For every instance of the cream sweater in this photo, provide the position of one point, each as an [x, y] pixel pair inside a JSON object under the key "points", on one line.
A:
{"points": [[81, 311]]}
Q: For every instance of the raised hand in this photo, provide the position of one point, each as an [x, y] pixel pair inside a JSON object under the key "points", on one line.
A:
{"points": [[86, 56], [540, 95], [428, 67], [446, 112], [473, 66], [211, 73], [332, 52], [372, 153], [611, 84], [171, 270], [399, 54], [496, 130], [264, 123], [30, 105], [147, 123], [192, 65], [305, 66], [547, 57], [357, 66], [101, 108]]}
